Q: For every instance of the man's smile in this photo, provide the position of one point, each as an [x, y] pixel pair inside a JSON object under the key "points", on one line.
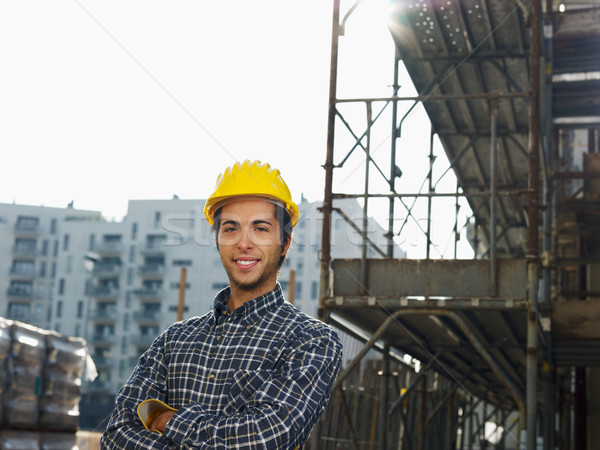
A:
{"points": [[246, 263]]}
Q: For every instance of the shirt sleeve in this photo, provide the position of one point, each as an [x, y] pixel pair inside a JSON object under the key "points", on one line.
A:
{"points": [[281, 407], [148, 380]]}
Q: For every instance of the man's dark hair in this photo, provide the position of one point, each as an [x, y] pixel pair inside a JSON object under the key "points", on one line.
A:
{"points": [[285, 227]]}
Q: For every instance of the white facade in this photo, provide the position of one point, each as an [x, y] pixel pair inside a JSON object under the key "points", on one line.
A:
{"points": [[130, 294], [30, 245]]}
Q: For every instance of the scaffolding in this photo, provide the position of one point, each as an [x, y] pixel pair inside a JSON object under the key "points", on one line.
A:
{"points": [[499, 346]]}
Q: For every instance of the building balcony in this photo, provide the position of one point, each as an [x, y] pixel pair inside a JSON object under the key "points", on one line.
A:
{"points": [[108, 248], [133, 361], [102, 339], [23, 251], [19, 293], [151, 271], [104, 292], [104, 315], [99, 386], [22, 273], [147, 317], [106, 270], [22, 316], [103, 361], [143, 340], [147, 293], [153, 248], [26, 230]]}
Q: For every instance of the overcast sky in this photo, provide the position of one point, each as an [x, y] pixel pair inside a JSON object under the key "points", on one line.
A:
{"points": [[101, 102], [104, 102]]}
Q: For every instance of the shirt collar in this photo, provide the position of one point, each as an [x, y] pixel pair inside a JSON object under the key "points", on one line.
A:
{"points": [[253, 310]]}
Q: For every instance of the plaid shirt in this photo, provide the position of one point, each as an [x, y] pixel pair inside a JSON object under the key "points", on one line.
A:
{"points": [[258, 377]]}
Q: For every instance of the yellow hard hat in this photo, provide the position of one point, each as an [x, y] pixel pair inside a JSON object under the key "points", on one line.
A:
{"points": [[250, 178]]}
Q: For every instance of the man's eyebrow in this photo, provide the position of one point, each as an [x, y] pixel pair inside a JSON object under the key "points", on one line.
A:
{"points": [[229, 222], [259, 221]]}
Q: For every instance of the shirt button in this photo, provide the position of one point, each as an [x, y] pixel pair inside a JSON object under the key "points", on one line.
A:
{"points": [[218, 338], [211, 377]]}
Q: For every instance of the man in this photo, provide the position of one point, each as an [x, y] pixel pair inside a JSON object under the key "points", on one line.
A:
{"points": [[254, 372]]}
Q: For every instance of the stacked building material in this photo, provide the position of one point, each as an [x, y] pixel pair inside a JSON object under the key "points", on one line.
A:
{"points": [[61, 392], [40, 387], [20, 400]]}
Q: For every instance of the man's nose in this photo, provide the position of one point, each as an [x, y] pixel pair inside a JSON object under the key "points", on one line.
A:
{"points": [[246, 240]]}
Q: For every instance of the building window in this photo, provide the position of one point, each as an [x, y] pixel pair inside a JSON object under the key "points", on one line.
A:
{"points": [[40, 289], [314, 290], [129, 276], [79, 310], [69, 268], [27, 223], [134, 231], [61, 286], [92, 242], [78, 329], [123, 367], [42, 270], [45, 247], [53, 226], [132, 253], [66, 242], [157, 218], [53, 269], [219, 286], [175, 285], [182, 262], [128, 299], [59, 305], [55, 250]]}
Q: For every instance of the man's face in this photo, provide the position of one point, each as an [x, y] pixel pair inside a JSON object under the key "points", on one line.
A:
{"points": [[249, 245]]}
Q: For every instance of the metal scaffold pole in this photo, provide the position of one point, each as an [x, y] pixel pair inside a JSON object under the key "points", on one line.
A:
{"points": [[533, 218]]}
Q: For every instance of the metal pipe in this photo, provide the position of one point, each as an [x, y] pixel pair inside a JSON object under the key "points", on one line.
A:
{"points": [[516, 394], [328, 166], [365, 218], [470, 428], [504, 192], [493, 199], [421, 415], [328, 190], [393, 168], [348, 418], [533, 218], [383, 396], [413, 384], [445, 97], [429, 189]]}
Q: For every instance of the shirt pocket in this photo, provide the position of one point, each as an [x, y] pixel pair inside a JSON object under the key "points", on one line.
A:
{"points": [[244, 386]]}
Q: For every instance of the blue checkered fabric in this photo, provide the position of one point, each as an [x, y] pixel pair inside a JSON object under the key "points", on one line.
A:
{"points": [[255, 378]]}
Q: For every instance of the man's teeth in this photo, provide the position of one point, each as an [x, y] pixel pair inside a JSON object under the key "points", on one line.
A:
{"points": [[245, 262]]}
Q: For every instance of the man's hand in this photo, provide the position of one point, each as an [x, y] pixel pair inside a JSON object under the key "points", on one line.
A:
{"points": [[160, 422]]}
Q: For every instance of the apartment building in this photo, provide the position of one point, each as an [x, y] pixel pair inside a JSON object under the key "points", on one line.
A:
{"points": [[117, 284], [30, 245]]}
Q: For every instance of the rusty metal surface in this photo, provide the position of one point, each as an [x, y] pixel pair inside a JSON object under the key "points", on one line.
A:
{"points": [[451, 334], [464, 48], [472, 47], [436, 278]]}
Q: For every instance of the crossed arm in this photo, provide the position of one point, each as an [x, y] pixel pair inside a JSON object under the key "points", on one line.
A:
{"points": [[277, 410]]}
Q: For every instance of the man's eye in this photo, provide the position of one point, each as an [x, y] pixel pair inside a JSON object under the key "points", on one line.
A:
{"points": [[262, 229], [229, 229]]}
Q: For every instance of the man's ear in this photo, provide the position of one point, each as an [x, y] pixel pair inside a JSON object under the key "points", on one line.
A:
{"points": [[286, 245]]}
